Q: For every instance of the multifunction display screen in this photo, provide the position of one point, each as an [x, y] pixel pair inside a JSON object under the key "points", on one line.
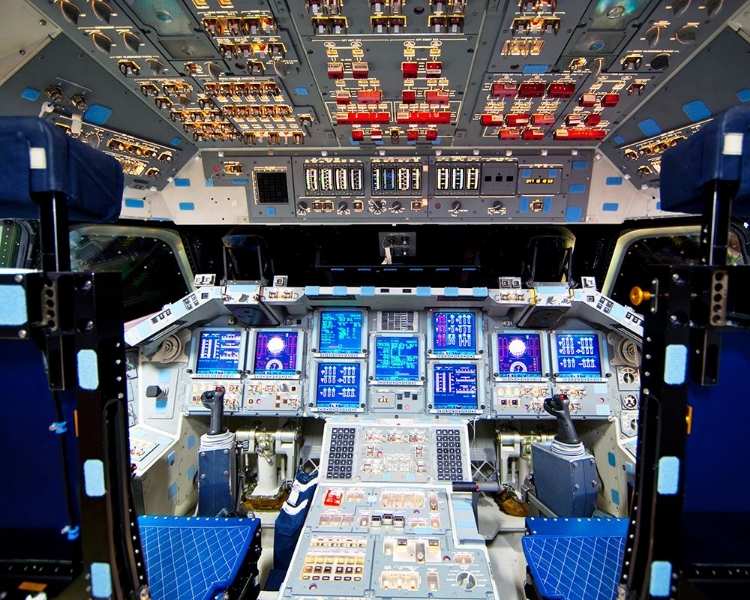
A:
{"points": [[219, 353]]}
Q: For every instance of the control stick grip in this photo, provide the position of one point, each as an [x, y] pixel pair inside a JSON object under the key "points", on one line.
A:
{"points": [[559, 407], [214, 401]]}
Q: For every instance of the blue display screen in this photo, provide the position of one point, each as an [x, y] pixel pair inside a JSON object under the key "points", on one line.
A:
{"points": [[219, 353], [396, 358], [340, 332], [338, 386], [578, 356], [454, 332], [455, 387], [519, 355], [276, 353]]}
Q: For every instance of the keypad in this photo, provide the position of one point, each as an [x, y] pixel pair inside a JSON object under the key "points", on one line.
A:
{"points": [[448, 450], [341, 453]]}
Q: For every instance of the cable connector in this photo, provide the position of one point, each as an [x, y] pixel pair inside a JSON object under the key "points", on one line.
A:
{"points": [[47, 107]]}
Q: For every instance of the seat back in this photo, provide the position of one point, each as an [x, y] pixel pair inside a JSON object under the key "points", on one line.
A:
{"points": [[65, 502]]}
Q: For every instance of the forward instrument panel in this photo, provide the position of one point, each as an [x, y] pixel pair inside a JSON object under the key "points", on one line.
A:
{"points": [[405, 355]]}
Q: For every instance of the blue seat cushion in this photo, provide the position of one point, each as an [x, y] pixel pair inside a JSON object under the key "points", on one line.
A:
{"points": [[575, 559], [193, 558]]}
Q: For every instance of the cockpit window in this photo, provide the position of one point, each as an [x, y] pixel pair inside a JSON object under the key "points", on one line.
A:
{"points": [[152, 262], [645, 250], [638, 251]]}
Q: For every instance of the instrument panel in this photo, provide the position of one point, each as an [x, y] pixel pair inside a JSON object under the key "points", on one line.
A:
{"points": [[382, 111], [395, 542], [475, 363]]}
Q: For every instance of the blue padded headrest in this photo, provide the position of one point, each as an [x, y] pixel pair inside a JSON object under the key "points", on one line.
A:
{"points": [[719, 151], [92, 181]]}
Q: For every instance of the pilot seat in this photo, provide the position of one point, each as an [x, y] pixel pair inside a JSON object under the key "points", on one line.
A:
{"points": [[67, 518]]}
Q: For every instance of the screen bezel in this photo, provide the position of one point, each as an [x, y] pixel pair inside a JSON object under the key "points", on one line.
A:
{"points": [[481, 400], [195, 349], [544, 351], [432, 352], [396, 382], [362, 387], [250, 361], [603, 357], [316, 323]]}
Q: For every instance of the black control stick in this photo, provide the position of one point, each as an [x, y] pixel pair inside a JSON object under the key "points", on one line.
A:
{"points": [[559, 407], [214, 401]]}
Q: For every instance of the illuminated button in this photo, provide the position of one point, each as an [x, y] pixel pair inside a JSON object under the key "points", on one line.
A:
{"points": [[587, 100], [409, 69]]}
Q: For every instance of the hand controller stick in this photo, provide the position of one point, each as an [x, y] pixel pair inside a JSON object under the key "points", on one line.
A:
{"points": [[559, 407], [214, 401]]}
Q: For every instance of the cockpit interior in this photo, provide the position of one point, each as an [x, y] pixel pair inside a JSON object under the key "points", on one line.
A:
{"points": [[381, 299]]}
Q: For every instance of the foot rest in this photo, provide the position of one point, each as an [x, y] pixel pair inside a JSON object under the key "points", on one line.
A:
{"points": [[575, 559], [194, 558]]}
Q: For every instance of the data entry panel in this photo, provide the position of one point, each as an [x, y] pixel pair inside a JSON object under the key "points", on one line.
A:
{"points": [[405, 451]]}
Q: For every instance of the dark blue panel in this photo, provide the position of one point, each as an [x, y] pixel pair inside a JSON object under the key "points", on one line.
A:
{"points": [[33, 498], [717, 525]]}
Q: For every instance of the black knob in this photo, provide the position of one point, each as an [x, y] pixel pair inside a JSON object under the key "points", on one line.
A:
{"points": [[154, 391], [660, 62], [456, 205]]}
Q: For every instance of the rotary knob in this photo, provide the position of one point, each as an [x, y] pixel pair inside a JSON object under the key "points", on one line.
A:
{"points": [[397, 207], [466, 580], [497, 208], [302, 208], [343, 208], [377, 207]]}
